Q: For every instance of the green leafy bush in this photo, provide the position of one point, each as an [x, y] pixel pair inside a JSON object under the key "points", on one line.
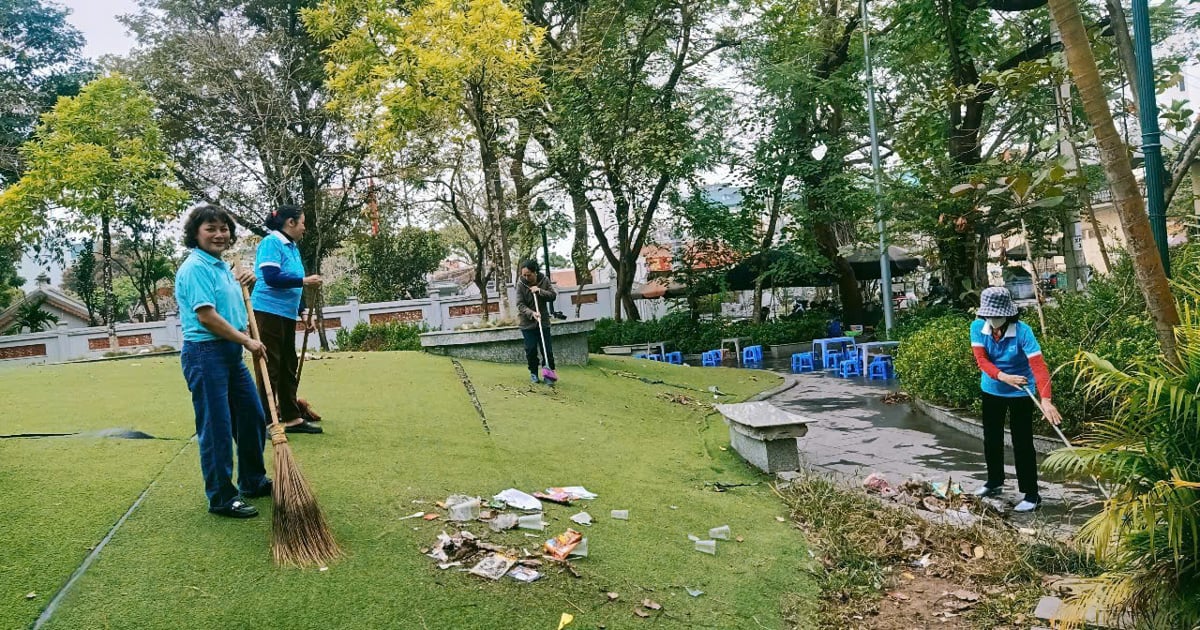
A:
{"points": [[935, 364], [386, 336], [913, 319]]}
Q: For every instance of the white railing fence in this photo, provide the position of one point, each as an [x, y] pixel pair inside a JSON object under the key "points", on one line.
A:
{"points": [[436, 312]]}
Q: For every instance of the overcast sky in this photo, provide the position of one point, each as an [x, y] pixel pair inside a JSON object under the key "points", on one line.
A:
{"points": [[97, 20]]}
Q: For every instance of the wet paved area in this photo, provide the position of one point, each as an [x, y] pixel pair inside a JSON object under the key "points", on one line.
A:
{"points": [[856, 433]]}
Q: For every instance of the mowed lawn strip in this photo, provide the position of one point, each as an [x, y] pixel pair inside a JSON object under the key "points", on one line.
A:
{"points": [[401, 434], [60, 496]]}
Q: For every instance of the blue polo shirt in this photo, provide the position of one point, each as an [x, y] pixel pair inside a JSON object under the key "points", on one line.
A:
{"points": [[1010, 354], [277, 250], [203, 280]]}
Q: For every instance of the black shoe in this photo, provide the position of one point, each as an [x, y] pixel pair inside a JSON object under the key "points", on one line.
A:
{"points": [[303, 427], [989, 491], [263, 491], [237, 509]]}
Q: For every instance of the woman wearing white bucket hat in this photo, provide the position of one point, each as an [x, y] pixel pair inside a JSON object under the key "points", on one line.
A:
{"points": [[1009, 356]]}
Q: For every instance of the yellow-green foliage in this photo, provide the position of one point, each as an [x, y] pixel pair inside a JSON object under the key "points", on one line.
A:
{"points": [[442, 65], [97, 156]]}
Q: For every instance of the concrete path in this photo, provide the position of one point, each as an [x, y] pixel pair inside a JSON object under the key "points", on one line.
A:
{"points": [[856, 433]]}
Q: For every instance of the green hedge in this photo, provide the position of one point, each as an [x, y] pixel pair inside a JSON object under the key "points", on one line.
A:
{"points": [[692, 337], [387, 336]]}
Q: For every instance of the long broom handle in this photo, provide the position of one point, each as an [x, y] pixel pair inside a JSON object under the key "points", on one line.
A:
{"points": [[308, 318], [1061, 436], [260, 362], [541, 331]]}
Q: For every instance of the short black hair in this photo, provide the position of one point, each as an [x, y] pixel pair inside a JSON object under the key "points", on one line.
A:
{"points": [[205, 213], [276, 219], [531, 265]]}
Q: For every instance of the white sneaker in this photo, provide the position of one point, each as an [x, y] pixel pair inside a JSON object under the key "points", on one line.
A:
{"points": [[1027, 506], [986, 491]]}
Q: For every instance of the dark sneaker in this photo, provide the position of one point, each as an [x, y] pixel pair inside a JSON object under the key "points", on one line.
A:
{"points": [[988, 491], [237, 509], [533, 379], [303, 427]]}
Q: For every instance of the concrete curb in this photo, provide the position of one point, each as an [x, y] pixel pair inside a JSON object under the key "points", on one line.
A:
{"points": [[974, 427], [789, 382], [123, 357]]}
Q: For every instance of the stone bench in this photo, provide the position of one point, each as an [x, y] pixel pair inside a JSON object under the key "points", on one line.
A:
{"points": [[765, 435]]}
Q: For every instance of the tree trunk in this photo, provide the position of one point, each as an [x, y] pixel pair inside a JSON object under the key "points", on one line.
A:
{"points": [[1091, 215], [484, 301], [110, 299], [625, 303], [1127, 198], [848, 290], [579, 248], [757, 301], [1120, 27], [495, 197]]}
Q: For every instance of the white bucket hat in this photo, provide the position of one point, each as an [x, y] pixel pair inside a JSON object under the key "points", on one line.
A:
{"points": [[996, 302]]}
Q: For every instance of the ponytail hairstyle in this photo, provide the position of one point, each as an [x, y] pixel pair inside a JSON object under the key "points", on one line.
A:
{"points": [[281, 215]]}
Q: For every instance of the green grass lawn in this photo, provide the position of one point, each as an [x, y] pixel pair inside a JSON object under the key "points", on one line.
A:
{"points": [[400, 430]]}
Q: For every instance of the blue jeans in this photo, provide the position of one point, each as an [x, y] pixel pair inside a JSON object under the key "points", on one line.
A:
{"points": [[228, 413]]}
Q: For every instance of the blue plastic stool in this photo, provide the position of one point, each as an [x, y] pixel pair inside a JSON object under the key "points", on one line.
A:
{"points": [[712, 358], [655, 357], [802, 362], [675, 358], [639, 355], [849, 368], [752, 354], [881, 367], [831, 360], [877, 369]]}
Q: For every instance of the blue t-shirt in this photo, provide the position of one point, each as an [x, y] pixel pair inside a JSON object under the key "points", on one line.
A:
{"points": [[277, 250], [1010, 355], [203, 280]]}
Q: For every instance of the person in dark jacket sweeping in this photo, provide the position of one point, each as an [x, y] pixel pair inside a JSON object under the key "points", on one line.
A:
{"points": [[1009, 356], [534, 297], [277, 301]]}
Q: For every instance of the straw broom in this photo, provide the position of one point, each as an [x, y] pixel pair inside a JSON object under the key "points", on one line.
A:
{"points": [[300, 535]]}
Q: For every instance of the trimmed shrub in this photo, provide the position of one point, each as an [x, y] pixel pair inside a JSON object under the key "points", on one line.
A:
{"points": [[935, 363], [386, 336]]}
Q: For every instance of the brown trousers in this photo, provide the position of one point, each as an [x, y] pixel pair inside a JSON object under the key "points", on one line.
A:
{"points": [[279, 336]]}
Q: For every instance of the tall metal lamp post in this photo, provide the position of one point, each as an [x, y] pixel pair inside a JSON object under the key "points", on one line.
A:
{"points": [[885, 264], [1148, 120], [541, 210]]}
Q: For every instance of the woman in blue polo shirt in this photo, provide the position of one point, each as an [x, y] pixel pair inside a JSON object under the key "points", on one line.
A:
{"points": [[1010, 358], [277, 304], [228, 410]]}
